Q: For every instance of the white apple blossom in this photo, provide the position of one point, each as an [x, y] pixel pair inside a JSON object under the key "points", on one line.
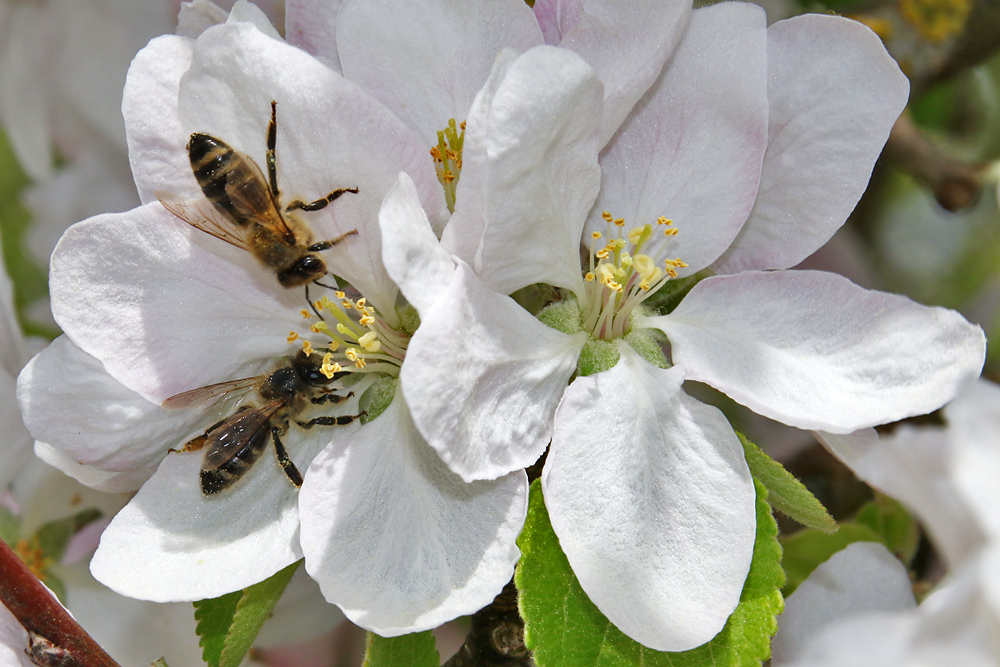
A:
{"points": [[947, 476], [758, 142], [152, 308]]}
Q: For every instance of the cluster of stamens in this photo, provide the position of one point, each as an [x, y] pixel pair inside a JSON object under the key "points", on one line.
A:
{"points": [[32, 555], [621, 276], [360, 341], [448, 159]]}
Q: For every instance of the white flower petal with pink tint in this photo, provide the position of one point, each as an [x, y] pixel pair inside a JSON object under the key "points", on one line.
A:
{"points": [[653, 503], [813, 350], [397, 540], [627, 44], [703, 123], [495, 374], [427, 60], [834, 94], [311, 25], [530, 159], [974, 429]]}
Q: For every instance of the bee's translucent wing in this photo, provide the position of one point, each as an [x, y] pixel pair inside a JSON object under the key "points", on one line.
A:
{"points": [[201, 214], [233, 435], [212, 393]]}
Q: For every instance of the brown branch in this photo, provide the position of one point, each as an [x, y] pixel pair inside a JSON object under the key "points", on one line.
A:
{"points": [[496, 638], [55, 638], [955, 184]]}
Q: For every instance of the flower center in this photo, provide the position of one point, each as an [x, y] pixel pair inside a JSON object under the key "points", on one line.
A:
{"points": [[360, 342], [32, 555], [448, 159], [621, 275]]}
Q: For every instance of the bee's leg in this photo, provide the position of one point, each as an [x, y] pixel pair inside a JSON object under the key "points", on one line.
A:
{"points": [[313, 305], [272, 139], [284, 461], [326, 245], [320, 203], [331, 421], [332, 398]]}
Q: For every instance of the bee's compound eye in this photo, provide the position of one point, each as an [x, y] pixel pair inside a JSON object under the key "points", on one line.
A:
{"points": [[307, 269]]}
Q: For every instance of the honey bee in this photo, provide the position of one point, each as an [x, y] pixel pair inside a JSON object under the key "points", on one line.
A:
{"points": [[235, 443], [246, 209]]}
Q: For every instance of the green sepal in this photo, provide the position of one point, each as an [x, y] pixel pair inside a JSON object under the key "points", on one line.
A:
{"points": [[377, 398], [564, 628], [10, 526], [159, 662], [785, 493], [228, 625], [893, 523], [54, 536], [413, 650], [597, 355]]}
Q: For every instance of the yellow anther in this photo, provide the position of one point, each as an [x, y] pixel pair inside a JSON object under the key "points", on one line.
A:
{"points": [[361, 303], [339, 294], [607, 216], [292, 337], [596, 235], [351, 353], [589, 277], [436, 154], [367, 320], [619, 222], [329, 367], [370, 342], [670, 231], [679, 264], [305, 314], [664, 221], [602, 253], [320, 328], [307, 347]]}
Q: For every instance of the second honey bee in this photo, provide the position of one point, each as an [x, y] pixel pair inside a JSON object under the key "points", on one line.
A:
{"points": [[234, 444], [246, 208]]}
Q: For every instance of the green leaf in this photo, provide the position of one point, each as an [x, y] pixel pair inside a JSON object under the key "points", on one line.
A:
{"points": [[10, 526], [229, 624], [807, 549], [415, 650], [564, 628], [785, 493], [160, 662], [54, 536], [893, 523]]}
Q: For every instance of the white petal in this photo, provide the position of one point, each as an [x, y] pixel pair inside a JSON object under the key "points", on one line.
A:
{"points": [[483, 379], [71, 403], [911, 465], [653, 503], [862, 578], [830, 116], [95, 478], [427, 60], [13, 641], [198, 16], [246, 12], [156, 142], [172, 308], [531, 163], [412, 254], [815, 351], [311, 25], [974, 427], [399, 542], [335, 137], [204, 546], [627, 45], [692, 149]]}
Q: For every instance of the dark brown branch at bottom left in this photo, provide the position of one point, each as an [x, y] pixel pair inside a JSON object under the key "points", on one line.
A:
{"points": [[55, 638]]}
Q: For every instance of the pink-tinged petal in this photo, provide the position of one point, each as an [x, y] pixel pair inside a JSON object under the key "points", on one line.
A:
{"points": [[483, 379], [95, 478], [330, 135], [530, 166], [974, 427], [653, 503], [834, 94], [156, 142], [426, 61], [815, 351], [556, 18], [911, 465], [397, 540], [692, 149], [70, 402], [168, 308], [311, 25], [861, 579], [412, 254], [627, 45], [204, 546]]}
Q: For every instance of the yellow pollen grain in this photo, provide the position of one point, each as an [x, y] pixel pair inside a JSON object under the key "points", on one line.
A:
{"points": [[447, 177], [292, 337], [436, 154], [305, 314], [307, 347]]}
